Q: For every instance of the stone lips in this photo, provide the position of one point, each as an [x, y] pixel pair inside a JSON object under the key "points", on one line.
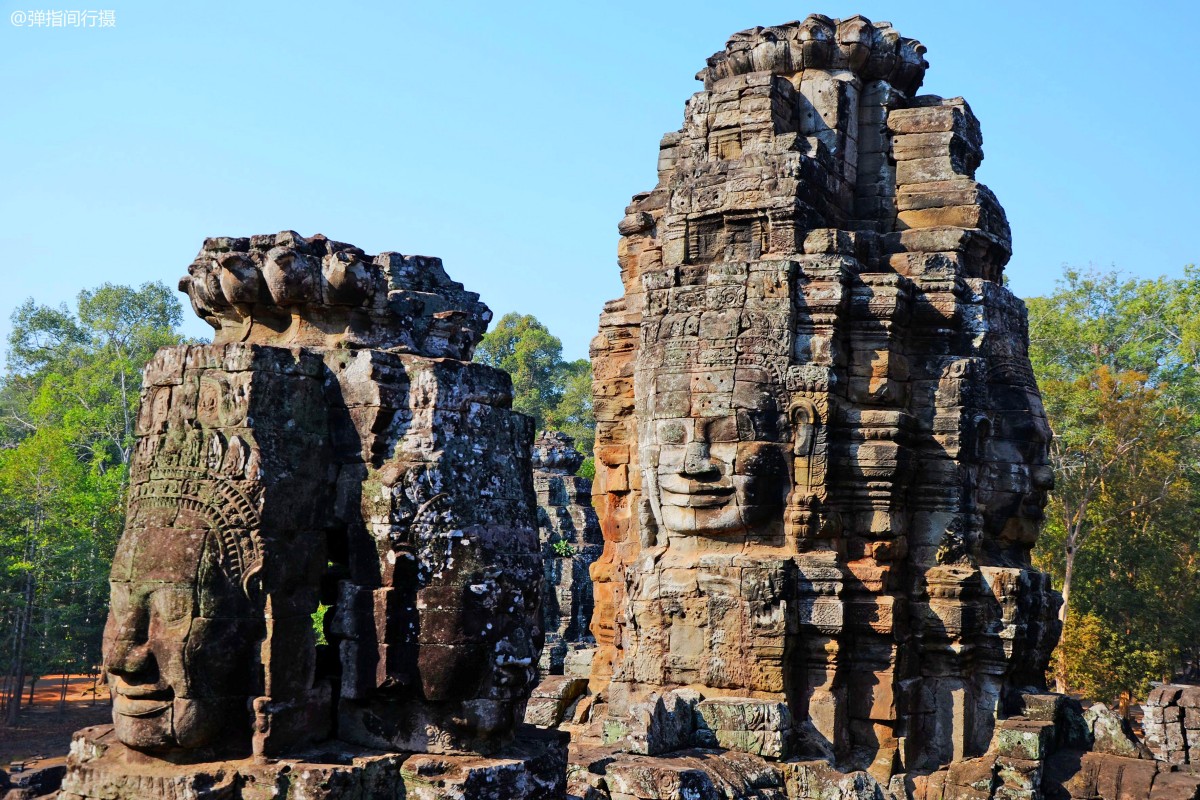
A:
{"points": [[821, 456], [288, 290]]}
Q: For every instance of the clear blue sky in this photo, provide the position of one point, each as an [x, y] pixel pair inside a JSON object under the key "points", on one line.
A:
{"points": [[507, 137]]}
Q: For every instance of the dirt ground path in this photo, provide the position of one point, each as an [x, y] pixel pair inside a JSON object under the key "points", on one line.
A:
{"points": [[44, 730]]}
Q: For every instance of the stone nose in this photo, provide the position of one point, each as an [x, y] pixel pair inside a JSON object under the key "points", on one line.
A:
{"points": [[128, 658], [698, 464], [127, 651], [1042, 478]]}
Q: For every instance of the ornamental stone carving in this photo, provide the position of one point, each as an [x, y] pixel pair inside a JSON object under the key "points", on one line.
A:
{"points": [[821, 454]]}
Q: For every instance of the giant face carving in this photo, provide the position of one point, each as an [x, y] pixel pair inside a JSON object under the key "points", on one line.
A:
{"points": [[710, 396], [1014, 475], [180, 635], [722, 468]]}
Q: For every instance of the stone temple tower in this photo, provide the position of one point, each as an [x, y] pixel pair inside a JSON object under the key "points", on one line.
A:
{"points": [[821, 452]]}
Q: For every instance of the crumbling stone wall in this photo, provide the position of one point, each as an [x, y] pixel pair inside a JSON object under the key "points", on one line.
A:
{"points": [[821, 454], [1172, 723], [570, 535]]}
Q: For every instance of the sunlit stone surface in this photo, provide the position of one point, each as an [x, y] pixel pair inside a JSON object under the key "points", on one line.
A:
{"points": [[334, 454]]}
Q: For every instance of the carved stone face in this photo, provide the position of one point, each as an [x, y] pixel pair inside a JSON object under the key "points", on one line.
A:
{"points": [[177, 647], [723, 468], [1014, 477]]}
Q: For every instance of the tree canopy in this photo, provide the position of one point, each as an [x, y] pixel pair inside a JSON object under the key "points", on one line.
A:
{"points": [[556, 393], [1118, 364], [68, 400]]}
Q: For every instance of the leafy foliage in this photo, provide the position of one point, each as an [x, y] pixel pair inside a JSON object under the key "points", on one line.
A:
{"points": [[556, 393], [573, 414], [526, 350], [67, 406], [1118, 367], [1103, 662]]}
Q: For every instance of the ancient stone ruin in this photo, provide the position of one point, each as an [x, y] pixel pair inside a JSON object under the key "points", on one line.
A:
{"points": [[821, 467], [1172, 723], [569, 532], [333, 456], [822, 456], [571, 542]]}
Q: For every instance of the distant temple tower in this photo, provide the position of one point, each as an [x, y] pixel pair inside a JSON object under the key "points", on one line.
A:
{"points": [[570, 536]]}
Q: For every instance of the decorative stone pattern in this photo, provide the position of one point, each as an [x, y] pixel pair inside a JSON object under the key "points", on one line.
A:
{"points": [[821, 453], [566, 521], [335, 445]]}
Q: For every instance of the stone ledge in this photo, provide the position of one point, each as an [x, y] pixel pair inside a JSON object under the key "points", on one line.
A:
{"points": [[533, 768]]}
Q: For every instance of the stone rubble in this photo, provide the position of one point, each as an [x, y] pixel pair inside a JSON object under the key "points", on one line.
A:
{"points": [[1172, 723]]}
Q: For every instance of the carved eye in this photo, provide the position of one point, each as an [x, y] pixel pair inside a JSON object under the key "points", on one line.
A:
{"points": [[672, 432], [723, 429], [172, 603], [757, 426], [122, 603]]}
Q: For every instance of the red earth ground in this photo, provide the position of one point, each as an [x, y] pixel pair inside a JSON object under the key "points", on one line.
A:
{"points": [[43, 731]]}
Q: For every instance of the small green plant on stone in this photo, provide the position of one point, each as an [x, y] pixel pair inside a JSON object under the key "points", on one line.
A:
{"points": [[318, 622], [563, 548]]}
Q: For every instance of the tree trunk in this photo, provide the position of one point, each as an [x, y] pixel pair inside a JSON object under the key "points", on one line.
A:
{"points": [[1060, 678], [18, 671], [5, 693], [1068, 574]]}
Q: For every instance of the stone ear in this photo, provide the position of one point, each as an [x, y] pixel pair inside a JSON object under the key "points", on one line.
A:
{"points": [[252, 582], [803, 417]]}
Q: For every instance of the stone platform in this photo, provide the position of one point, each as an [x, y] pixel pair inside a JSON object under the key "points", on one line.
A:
{"points": [[531, 768]]}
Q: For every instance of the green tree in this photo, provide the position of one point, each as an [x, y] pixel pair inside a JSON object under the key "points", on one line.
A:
{"points": [[573, 414], [556, 393], [526, 350], [68, 401], [1102, 661], [1118, 372]]}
